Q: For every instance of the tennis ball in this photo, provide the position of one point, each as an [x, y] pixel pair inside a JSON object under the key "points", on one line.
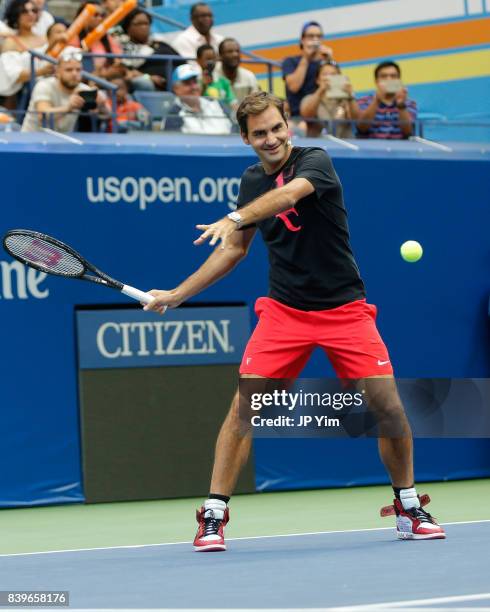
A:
{"points": [[411, 251]]}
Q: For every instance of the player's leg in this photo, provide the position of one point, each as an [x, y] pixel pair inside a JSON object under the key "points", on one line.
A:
{"points": [[358, 353], [270, 353], [396, 451], [232, 449]]}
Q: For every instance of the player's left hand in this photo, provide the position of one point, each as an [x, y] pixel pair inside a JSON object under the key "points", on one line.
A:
{"points": [[221, 230]]}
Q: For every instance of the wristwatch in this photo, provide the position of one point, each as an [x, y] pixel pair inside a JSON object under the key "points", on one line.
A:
{"points": [[236, 217]]}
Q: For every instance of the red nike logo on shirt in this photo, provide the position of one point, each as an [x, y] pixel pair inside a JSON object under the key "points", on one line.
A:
{"points": [[287, 222], [284, 215]]}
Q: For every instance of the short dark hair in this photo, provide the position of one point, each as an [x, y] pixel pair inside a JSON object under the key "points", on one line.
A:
{"points": [[226, 40], [387, 64], [256, 103], [56, 22], [14, 11], [202, 48], [126, 22], [196, 6], [82, 5], [326, 63]]}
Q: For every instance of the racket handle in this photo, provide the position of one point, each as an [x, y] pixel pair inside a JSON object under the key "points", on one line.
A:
{"points": [[136, 294]]}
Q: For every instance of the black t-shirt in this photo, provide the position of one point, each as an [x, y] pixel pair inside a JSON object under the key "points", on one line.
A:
{"points": [[312, 266]]}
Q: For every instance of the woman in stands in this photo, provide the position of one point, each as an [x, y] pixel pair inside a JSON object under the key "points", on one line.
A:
{"points": [[15, 60], [21, 16], [146, 74], [330, 103], [106, 68]]}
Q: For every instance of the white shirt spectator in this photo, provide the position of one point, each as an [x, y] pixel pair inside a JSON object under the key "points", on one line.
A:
{"points": [[43, 23], [244, 84], [49, 90], [211, 118], [40, 29], [188, 42], [5, 30], [12, 63]]}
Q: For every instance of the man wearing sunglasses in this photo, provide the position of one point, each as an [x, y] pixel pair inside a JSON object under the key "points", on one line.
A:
{"points": [[56, 102]]}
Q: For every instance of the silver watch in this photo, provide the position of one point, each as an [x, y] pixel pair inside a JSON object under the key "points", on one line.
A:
{"points": [[236, 217]]}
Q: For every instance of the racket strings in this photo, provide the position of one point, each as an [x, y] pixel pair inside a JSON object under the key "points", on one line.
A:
{"points": [[45, 255]]}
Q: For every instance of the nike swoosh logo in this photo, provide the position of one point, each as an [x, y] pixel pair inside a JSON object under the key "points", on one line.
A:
{"points": [[381, 363]]}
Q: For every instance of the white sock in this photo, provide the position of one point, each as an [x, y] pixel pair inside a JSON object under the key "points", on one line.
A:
{"points": [[409, 498], [218, 506]]}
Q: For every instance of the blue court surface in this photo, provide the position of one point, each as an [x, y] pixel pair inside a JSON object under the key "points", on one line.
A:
{"points": [[366, 569]]}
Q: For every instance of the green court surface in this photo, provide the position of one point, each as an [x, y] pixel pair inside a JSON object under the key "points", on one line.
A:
{"points": [[131, 523]]}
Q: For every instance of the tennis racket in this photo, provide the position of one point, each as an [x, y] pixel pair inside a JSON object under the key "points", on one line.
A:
{"points": [[49, 255]]}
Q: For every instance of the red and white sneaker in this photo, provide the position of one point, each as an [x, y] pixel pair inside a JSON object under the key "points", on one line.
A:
{"points": [[415, 523], [210, 533]]}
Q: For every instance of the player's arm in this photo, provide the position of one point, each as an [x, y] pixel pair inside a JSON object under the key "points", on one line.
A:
{"points": [[216, 266], [270, 204]]}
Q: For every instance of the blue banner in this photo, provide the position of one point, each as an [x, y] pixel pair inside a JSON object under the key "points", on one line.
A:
{"points": [[135, 339]]}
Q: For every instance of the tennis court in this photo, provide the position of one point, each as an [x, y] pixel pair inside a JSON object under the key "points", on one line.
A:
{"points": [[310, 550]]}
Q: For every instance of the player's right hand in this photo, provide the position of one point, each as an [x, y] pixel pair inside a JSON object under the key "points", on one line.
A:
{"points": [[163, 300]]}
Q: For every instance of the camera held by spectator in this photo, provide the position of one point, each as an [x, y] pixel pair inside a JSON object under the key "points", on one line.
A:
{"points": [[299, 71], [388, 113], [333, 101]]}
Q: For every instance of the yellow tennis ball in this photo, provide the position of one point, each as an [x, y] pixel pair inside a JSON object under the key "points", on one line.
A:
{"points": [[411, 251]]}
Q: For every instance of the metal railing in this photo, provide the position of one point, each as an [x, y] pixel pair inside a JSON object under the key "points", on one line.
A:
{"points": [[173, 59]]}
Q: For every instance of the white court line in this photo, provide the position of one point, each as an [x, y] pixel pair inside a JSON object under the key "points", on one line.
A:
{"points": [[261, 537], [342, 143], [403, 604], [431, 143], [63, 136]]}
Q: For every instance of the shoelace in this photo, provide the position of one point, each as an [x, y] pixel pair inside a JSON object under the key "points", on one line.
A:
{"points": [[421, 515], [211, 524]]}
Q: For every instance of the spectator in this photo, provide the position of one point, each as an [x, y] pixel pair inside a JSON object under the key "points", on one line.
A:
{"points": [[129, 113], [103, 67], [15, 67], [212, 86], [191, 113], [145, 74], [299, 71], [325, 105], [243, 81], [109, 7], [21, 16], [45, 19], [388, 113], [199, 33], [58, 98]]}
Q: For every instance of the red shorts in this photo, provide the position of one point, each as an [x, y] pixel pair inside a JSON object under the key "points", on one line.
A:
{"points": [[284, 339]]}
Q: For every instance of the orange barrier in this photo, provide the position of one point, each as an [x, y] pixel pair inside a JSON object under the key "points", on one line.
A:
{"points": [[110, 21], [75, 29]]}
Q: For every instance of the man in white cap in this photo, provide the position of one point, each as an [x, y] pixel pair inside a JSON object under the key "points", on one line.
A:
{"points": [[191, 113]]}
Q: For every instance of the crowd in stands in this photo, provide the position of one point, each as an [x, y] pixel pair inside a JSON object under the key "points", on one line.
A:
{"points": [[202, 77]]}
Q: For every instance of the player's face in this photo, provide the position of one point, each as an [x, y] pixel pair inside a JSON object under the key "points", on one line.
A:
{"points": [[269, 138]]}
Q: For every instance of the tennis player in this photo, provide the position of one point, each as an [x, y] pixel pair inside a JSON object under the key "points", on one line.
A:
{"points": [[317, 298]]}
